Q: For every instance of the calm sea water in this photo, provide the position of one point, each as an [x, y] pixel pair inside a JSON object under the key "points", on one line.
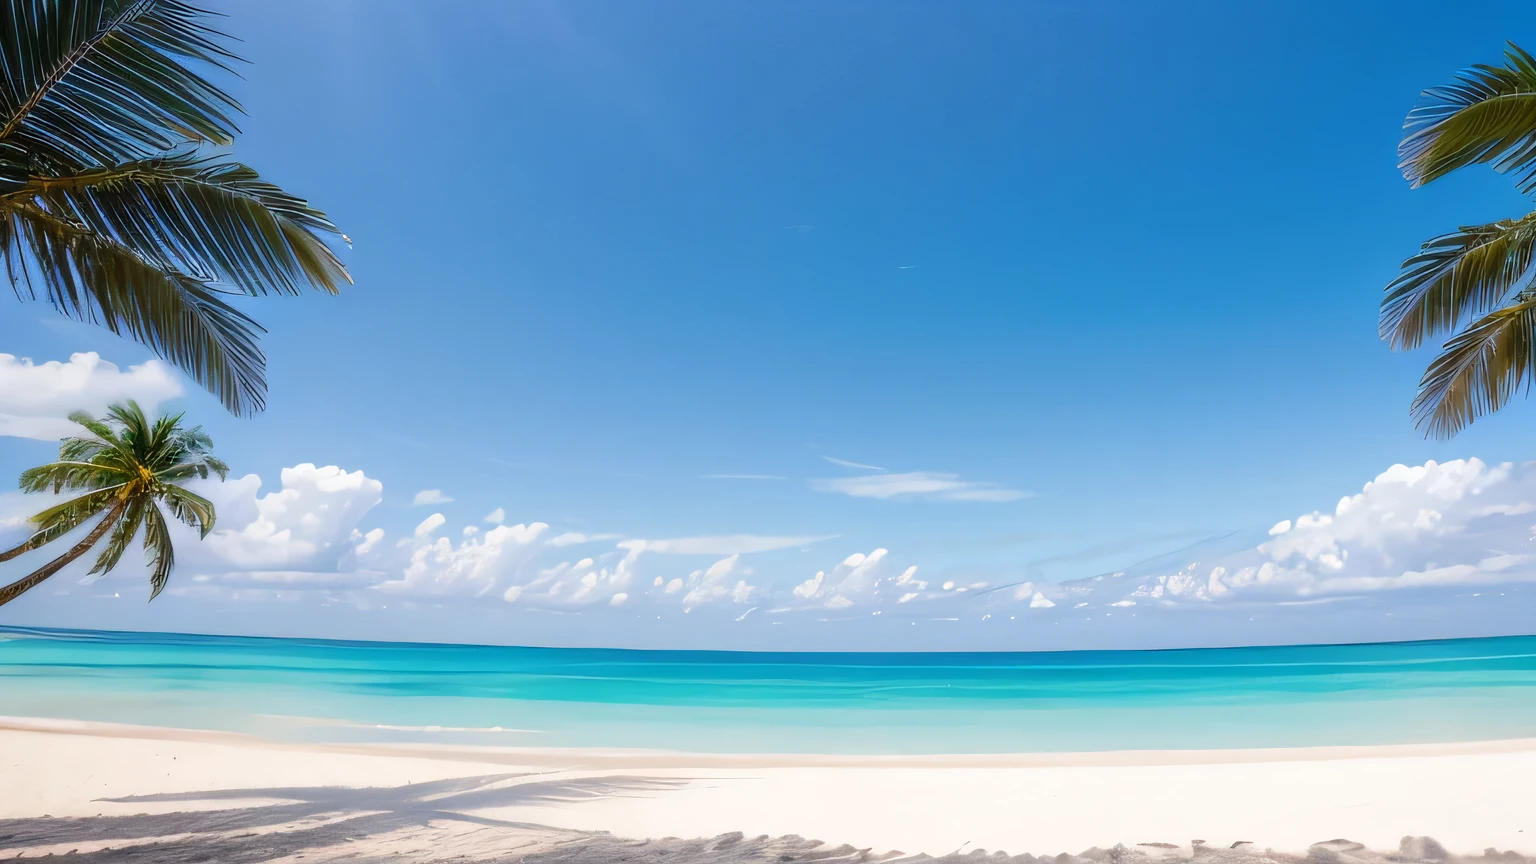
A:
{"points": [[292, 689]]}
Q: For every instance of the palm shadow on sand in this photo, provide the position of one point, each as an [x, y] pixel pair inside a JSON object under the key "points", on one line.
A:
{"points": [[313, 817]]}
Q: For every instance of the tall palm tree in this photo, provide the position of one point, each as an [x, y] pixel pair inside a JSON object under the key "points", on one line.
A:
{"points": [[112, 207], [128, 468], [1474, 284]]}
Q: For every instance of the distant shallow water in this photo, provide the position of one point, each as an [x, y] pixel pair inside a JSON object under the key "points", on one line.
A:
{"points": [[723, 702]]}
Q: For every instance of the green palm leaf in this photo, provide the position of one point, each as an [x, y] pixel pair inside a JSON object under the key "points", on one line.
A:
{"points": [[157, 543], [127, 527], [98, 82], [109, 211], [1456, 277], [203, 215], [61, 519], [58, 476], [1487, 115], [1480, 370], [95, 279], [190, 508]]}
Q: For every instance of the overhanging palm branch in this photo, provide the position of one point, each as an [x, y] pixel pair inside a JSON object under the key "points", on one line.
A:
{"points": [[1480, 370], [126, 469], [1480, 274], [1487, 115], [112, 210]]}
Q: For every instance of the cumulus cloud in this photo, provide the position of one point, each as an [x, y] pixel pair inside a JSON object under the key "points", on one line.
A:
{"points": [[37, 399], [1454, 523], [583, 582], [853, 580], [430, 496], [913, 485], [303, 525], [723, 580], [472, 567]]}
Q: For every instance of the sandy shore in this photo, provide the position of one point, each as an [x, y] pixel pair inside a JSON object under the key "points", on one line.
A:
{"points": [[162, 783]]}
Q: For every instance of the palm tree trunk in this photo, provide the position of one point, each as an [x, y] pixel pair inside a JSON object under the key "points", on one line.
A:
{"points": [[27, 583]]}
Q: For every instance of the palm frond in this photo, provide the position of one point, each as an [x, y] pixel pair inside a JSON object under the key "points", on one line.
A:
{"points": [[1456, 277], [204, 215], [191, 508], [95, 279], [1487, 115], [60, 519], [123, 532], [77, 449], [1480, 370], [55, 477], [109, 81], [199, 469], [162, 557]]}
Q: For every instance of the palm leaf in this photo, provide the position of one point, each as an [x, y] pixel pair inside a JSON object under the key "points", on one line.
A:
{"points": [[98, 280], [206, 216], [122, 534], [58, 476], [61, 519], [191, 508], [199, 469], [1455, 277], [1480, 370], [1487, 115], [162, 557], [108, 81]]}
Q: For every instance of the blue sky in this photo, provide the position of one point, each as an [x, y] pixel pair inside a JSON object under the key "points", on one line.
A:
{"points": [[1113, 268]]}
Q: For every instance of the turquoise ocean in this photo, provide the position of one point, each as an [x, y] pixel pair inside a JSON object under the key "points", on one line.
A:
{"points": [[725, 702]]}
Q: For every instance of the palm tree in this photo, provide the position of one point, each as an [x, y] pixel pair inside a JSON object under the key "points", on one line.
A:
{"points": [[128, 468], [111, 206], [1475, 284]]}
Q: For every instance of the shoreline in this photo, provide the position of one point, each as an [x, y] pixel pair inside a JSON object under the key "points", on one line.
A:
{"points": [[600, 758], [1469, 796]]}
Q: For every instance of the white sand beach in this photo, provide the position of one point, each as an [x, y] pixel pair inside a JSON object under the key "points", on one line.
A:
{"points": [[1469, 797]]}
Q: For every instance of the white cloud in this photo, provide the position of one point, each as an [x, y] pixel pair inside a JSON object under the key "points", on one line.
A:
{"points": [[496, 517], [430, 524], [1454, 523], [36, 399], [574, 538], [590, 580], [735, 544], [846, 464], [473, 567], [853, 580], [306, 525], [430, 496], [932, 485], [721, 581], [1433, 524]]}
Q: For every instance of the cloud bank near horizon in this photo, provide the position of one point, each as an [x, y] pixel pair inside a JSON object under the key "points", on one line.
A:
{"points": [[318, 536]]}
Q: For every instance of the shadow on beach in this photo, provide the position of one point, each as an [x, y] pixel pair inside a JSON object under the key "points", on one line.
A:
{"points": [[435, 822]]}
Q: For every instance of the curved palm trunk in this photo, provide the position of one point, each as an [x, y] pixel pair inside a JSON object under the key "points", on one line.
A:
{"points": [[27, 583]]}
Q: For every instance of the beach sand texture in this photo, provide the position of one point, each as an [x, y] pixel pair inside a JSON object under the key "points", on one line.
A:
{"points": [[106, 792]]}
